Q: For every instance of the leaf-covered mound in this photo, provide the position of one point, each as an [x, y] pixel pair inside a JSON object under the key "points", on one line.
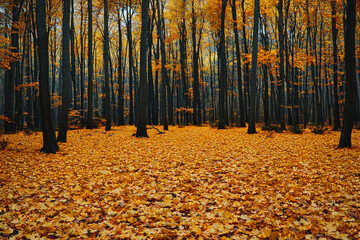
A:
{"points": [[190, 183]]}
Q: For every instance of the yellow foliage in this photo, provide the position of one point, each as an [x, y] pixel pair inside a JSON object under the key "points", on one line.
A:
{"points": [[192, 182]]}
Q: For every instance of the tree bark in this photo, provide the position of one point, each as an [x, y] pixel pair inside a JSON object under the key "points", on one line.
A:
{"points": [[66, 82], [120, 77], [164, 76], [49, 138], [251, 127], [90, 113], [335, 66], [282, 71], [350, 71], [141, 116], [238, 62], [10, 126], [106, 67], [223, 68]]}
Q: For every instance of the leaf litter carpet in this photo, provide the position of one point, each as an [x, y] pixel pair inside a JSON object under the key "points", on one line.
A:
{"points": [[190, 183]]}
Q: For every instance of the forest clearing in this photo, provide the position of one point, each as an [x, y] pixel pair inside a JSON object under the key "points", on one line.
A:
{"points": [[189, 183]]}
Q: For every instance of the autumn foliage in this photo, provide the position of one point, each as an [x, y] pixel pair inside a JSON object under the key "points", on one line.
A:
{"points": [[190, 183]]}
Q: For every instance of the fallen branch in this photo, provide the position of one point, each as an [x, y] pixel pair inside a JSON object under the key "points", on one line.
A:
{"points": [[160, 132]]}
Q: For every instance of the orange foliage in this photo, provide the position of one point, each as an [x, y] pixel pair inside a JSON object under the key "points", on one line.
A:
{"points": [[190, 183]]}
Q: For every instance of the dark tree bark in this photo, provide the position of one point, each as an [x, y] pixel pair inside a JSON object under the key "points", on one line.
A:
{"points": [[335, 66], [350, 71], [131, 64], [141, 115], [106, 67], [120, 77], [66, 82], [238, 62], [195, 65], [49, 138], [151, 97], [183, 69], [72, 55], [252, 117], [82, 58], [164, 75], [247, 65], [90, 113], [223, 68], [13, 72], [282, 71]]}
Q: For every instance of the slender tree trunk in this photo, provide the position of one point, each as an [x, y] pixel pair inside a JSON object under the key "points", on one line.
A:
{"points": [[151, 105], [238, 62], [183, 70], [164, 76], [120, 78], [350, 71], [282, 71], [247, 65], [223, 68], [156, 102], [73, 69], [10, 126], [251, 128], [106, 67], [82, 57], [90, 113], [195, 65], [49, 138], [66, 82], [335, 66]]}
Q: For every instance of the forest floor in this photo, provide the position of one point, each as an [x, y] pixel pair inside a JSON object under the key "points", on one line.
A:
{"points": [[189, 183]]}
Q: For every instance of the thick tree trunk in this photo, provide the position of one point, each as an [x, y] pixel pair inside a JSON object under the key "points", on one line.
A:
{"points": [[49, 138], [350, 67], [141, 116]]}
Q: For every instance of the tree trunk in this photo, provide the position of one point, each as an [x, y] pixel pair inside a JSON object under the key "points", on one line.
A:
{"points": [[141, 116], [164, 76], [73, 70], [238, 62], [10, 126], [106, 67], [335, 66], [252, 128], [350, 71], [223, 68], [120, 77], [90, 113], [195, 64], [183, 71], [49, 138], [282, 71], [131, 64], [66, 82]]}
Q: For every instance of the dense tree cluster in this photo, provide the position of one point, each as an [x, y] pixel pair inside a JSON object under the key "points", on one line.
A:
{"points": [[181, 62]]}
